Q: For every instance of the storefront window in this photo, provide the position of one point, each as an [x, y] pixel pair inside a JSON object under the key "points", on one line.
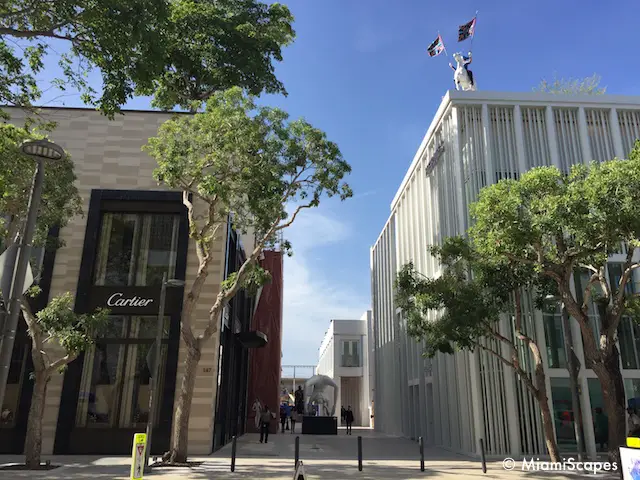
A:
{"points": [[632, 391], [563, 415], [136, 249], [554, 339], [115, 385], [600, 420], [14, 384]]}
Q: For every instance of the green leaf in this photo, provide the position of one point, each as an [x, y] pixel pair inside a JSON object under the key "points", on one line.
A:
{"points": [[179, 51]]}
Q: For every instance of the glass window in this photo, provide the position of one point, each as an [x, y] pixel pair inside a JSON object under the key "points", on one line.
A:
{"points": [[632, 390], [136, 249], [563, 415], [115, 385], [554, 339], [600, 420], [14, 384], [627, 341], [615, 274], [351, 353]]}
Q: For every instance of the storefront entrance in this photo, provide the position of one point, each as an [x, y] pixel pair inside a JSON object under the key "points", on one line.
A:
{"points": [[132, 239]]}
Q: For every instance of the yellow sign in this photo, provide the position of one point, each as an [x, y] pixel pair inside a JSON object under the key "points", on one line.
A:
{"points": [[633, 442], [137, 456]]}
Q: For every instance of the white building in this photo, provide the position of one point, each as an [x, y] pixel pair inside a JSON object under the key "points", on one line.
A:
{"points": [[476, 139], [344, 356]]}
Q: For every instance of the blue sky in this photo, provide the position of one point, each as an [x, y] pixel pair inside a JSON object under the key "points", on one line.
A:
{"points": [[358, 70]]}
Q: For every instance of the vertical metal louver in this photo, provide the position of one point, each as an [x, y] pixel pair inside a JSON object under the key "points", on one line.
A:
{"points": [[629, 128], [535, 138], [600, 137], [503, 143], [568, 135]]}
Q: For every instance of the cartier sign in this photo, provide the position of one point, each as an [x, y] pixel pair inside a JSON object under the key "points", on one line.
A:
{"points": [[132, 300], [119, 300]]}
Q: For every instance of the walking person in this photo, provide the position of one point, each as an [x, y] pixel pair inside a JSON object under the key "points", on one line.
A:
{"points": [[601, 428], [348, 418], [283, 417], [265, 423]]}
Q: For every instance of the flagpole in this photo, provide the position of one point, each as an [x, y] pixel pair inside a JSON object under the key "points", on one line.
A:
{"points": [[475, 20], [443, 45]]}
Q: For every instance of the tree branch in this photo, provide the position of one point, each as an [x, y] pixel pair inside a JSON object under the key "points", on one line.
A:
{"points": [[521, 373], [293, 217], [38, 33], [61, 362]]}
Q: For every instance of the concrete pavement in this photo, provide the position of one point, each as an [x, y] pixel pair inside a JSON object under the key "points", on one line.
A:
{"points": [[325, 457]]}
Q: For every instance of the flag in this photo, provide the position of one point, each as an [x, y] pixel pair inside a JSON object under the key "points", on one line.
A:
{"points": [[436, 48], [465, 31]]}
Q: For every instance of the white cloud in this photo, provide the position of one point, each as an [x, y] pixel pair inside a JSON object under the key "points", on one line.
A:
{"points": [[313, 295]]}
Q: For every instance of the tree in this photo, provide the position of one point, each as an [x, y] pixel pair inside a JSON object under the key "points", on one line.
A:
{"points": [[572, 86], [58, 324], [180, 49], [249, 162], [471, 295], [566, 227], [60, 198]]}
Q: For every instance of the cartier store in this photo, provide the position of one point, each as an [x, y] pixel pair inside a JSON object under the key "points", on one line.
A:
{"points": [[132, 238]]}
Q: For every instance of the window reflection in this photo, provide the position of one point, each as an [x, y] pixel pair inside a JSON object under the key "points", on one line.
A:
{"points": [[136, 249], [117, 371], [563, 414]]}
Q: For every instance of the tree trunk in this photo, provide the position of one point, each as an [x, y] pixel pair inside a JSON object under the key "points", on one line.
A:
{"points": [[547, 425], [180, 436], [33, 442], [610, 377], [543, 401]]}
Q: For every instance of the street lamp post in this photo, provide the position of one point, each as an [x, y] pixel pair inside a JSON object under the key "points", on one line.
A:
{"points": [[155, 383], [573, 366], [40, 150]]}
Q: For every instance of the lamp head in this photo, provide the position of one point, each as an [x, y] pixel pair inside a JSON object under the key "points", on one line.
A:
{"points": [[42, 149]]}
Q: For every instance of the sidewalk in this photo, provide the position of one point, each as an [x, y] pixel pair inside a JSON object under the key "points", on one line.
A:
{"points": [[325, 457]]}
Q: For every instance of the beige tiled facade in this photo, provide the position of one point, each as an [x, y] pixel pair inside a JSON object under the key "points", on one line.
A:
{"points": [[107, 155]]}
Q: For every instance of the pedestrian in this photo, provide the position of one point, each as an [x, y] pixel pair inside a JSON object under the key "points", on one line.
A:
{"points": [[348, 418], [601, 428], [299, 400], [265, 423], [283, 417], [343, 412]]}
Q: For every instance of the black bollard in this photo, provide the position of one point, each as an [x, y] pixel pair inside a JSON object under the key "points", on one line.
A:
{"points": [[233, 453], [297, 452], [484, 460], [359, 453], [421, 443]]}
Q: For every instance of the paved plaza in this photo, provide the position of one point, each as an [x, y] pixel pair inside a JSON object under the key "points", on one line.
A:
{"points": [[325, 457]]}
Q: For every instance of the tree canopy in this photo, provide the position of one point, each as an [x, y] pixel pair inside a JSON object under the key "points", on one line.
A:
{"points": [[251, 164], [60, 198], [181, 51], [566, 227], [572, 86]]}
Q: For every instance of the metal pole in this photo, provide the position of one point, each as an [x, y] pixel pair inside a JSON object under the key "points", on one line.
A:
{"points": [[482, 457], [297, 451], [155, 384], [574, 367], [17, 286], [234, 441], [421, 443], [359, 453]]}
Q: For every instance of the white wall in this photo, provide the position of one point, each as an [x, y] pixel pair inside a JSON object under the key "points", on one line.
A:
{"points": [[453, 400]]}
